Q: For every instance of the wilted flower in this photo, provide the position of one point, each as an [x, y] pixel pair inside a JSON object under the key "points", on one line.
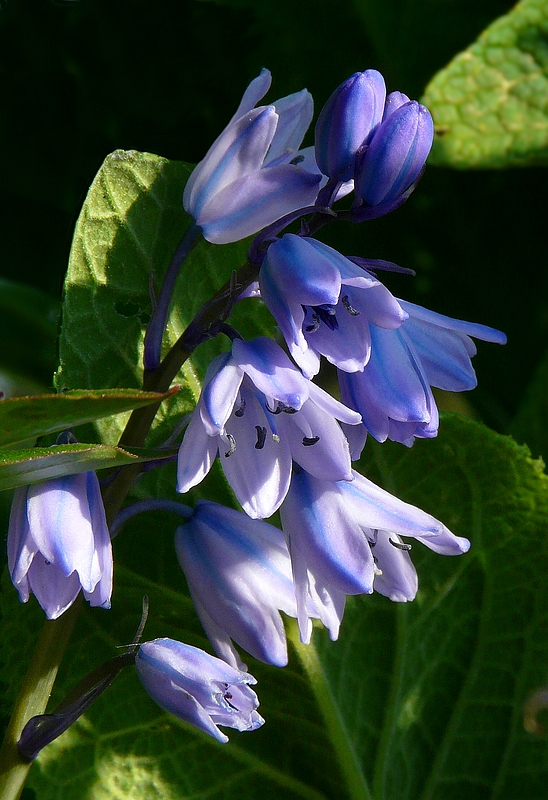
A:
{"points": [[251, 175], [198, 688], [239, 576], [324, 303], [344, 539], [393, 392], [58, 543], [259, 413]]}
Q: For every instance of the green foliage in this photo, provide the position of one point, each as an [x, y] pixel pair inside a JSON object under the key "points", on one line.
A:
{"points": [[422, 700], [24, 418], [128, 229], [490, 105], [31, 465]]}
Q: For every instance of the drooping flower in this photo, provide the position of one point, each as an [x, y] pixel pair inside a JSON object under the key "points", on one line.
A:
{"points": [[239, 576], [259, 414], [347, 121], [251, 175], [391, 164], [198, 688], [393, 392], [58, 543], [344, 539], [324, 303]]}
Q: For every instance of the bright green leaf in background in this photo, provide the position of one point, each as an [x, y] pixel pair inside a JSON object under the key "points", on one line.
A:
{"points": [[490, 104], [415, 701]]}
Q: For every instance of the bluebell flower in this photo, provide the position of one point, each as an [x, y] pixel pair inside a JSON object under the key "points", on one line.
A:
{"points": [[324, 303], [247, 179], [391, 164], [198, 688], [344, 539], [347, 122], [393, 392], [239, 576], [59, 544], [259, 413]]}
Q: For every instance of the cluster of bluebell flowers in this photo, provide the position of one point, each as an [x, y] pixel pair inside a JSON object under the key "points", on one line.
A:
{"points": [[283, 442]]}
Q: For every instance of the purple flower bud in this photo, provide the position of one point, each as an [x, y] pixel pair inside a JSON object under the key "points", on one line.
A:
{"points": [[58, 543], [239, 576], [390, 166], [346, 122], [198, 688], [247, 180]]}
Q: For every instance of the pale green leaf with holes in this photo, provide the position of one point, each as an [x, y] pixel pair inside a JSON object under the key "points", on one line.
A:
{"points": [[490, 104], [128, 229]]}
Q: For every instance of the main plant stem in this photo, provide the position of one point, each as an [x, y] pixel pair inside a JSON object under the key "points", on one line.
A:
{"points": [[37, 686], [33, 698]]}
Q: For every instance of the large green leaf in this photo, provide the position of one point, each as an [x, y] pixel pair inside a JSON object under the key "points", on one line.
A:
{"points": [[490, 104], [422, 700], [24, 418], [129, 227], [23, 467]]}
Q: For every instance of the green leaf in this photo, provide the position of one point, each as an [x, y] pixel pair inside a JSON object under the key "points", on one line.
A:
{"points": [[23, 467], [490, 104], [416, 702], [129, 227], [24, 418]]}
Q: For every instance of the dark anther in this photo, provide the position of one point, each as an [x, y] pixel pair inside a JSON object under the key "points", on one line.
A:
{"points": [[400, 545], [261, 437], [349, 308], [315, 324], [228, 697], [240, 411], [327, 315], [281, 407], [308, 441], [232, 441], [297, 160]]}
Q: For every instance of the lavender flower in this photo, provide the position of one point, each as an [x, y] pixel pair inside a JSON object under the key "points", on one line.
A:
{"points": [[347, 121], [239, 576], [259, 413], [324, 303], [344, 538], [58, 543], [250, 176], [198, 688], [393, 392], [391, 164]]}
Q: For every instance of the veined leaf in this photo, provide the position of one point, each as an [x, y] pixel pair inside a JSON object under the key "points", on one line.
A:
{"points": [[24, 418], [490, 104], [23, 467]]}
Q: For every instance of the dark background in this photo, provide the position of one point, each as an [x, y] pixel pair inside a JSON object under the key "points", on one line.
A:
{"points": [[81, 78]]}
